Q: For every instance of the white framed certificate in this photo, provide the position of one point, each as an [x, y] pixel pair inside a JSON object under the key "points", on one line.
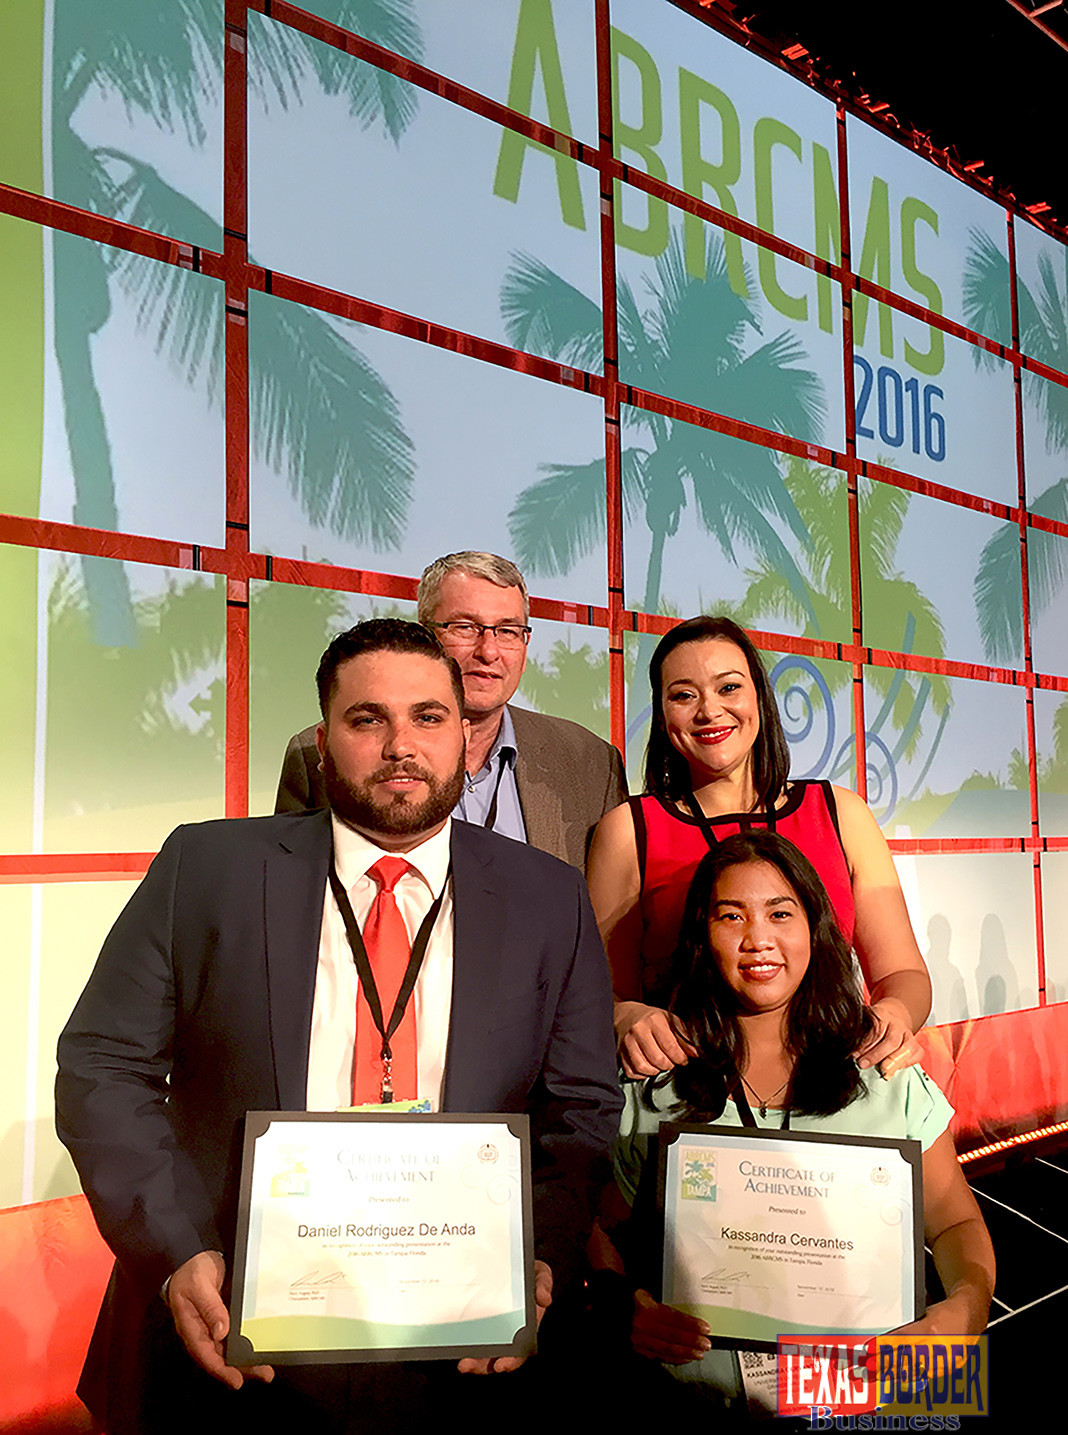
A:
{"points": [[780, 1233], [368, 1237]]}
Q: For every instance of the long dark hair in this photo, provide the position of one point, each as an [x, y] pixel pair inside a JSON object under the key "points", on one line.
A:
{"points": [[826, 1021], [667, 773]]}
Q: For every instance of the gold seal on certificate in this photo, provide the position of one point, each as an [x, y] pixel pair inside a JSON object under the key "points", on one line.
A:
{"points": [[769, 1234], [382, 1237]]}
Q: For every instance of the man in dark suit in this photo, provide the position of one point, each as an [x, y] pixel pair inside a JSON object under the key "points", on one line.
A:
{"points": [[226, 985], [539, 779]]}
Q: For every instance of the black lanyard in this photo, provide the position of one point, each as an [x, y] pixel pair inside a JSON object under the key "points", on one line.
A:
{"points": [[738, 1096], [491, 815], [367, 977], [768, 819]]}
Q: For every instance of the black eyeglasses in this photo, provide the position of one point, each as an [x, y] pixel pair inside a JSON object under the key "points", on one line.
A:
{"points": [[463, 633]]}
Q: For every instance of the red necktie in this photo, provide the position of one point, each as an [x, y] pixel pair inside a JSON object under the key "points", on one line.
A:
{"points": [[386, 938]]}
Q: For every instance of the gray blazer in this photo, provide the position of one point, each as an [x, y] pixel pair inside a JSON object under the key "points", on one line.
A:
{"points": [[567, 780]]}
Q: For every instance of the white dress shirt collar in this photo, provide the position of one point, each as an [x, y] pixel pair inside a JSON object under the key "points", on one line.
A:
{"points": [[355, 855], [333, 1027]]}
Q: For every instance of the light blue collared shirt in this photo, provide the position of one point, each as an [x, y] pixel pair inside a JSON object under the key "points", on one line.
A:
{"points": [[477, 798]]}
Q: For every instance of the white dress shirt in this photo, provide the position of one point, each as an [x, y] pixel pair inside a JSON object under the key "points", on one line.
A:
{"points": [[333, 1029]]}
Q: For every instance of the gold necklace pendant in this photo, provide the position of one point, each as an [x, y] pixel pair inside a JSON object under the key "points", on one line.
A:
{"points": [[762, 1101]]}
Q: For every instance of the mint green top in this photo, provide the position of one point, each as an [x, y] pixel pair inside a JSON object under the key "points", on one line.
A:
{"points": [[908, 1107]]}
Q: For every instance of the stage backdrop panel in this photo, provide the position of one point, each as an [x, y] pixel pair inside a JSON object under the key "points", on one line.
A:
{"points": [[1055, 913], [951, 755], [59, 928], [538, 59], [973, 915], [1051, 746], [411, 220], [693, 330], [939, 551], [129, 112], [761, 535], [692, 108], [1042, 283], [373, 451]]}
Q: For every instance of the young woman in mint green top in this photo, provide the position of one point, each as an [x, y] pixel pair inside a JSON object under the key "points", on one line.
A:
{"points": [[768, 998]]}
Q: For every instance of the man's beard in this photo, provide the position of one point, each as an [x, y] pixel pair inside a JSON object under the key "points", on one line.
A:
{"points": [[399, 816]]}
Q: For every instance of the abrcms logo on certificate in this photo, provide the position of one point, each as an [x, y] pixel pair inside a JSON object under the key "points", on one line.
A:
{"points": [[291, 1178], [698, 1174]]}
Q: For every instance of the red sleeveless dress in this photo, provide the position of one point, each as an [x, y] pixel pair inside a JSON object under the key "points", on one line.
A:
{"points": [[670, 845]]}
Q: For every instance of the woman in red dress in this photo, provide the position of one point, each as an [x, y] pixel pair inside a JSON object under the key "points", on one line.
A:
{"points": [[717, 763]]}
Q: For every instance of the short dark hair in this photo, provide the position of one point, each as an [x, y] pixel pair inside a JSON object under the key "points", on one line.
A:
{"points": [[827, 1020], [667, 773], [382, 635]]}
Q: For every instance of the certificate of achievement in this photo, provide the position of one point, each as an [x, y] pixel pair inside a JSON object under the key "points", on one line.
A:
{"points": [[382, 1237], [769, 1234]]}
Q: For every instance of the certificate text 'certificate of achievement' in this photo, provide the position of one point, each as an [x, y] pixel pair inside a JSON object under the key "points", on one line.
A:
{"points": [[382, 1237], [782, 1233]]}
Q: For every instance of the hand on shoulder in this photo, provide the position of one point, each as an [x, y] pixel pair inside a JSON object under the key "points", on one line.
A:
{"points": [[649, 1040], [892, 1045]]}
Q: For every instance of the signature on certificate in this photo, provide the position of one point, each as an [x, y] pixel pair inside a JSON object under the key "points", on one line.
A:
{"points": [[316, 1278], [722, 1276]]}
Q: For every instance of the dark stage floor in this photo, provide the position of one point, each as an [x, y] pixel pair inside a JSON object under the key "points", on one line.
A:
{"points": [[1026, 1208]]}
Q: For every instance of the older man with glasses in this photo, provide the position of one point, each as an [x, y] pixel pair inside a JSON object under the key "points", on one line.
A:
{"points": [[531, 777]]}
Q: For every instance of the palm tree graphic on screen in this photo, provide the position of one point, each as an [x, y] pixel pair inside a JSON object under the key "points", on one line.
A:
{"points": [[688, 338], [1043, 317], [689, 342], [898, 616], [318, 411]]}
